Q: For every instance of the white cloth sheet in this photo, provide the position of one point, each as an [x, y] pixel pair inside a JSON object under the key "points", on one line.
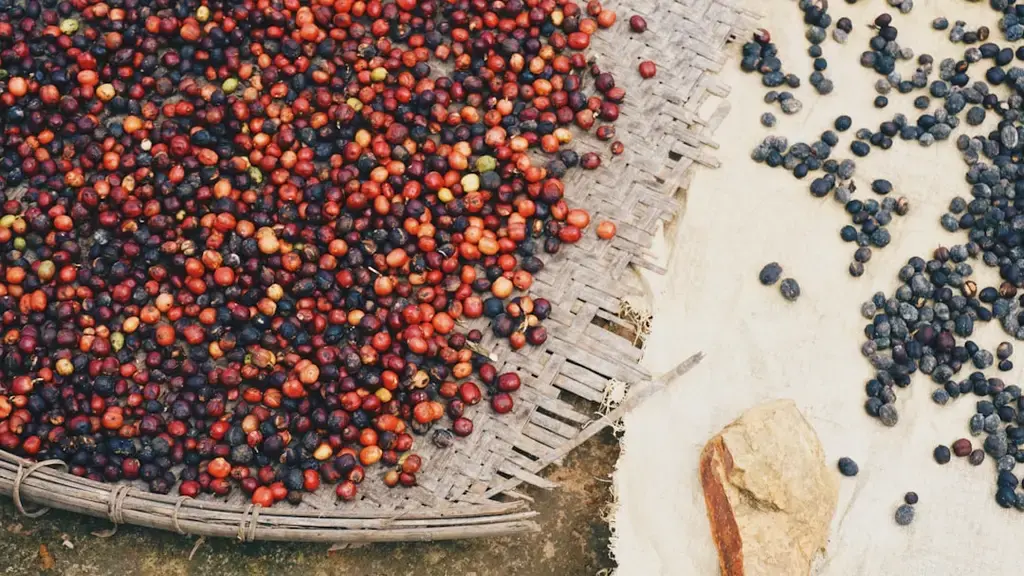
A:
{"points": [[759, 346]]}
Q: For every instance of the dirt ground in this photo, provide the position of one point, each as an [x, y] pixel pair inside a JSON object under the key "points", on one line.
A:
{"points": [[573, 540]]}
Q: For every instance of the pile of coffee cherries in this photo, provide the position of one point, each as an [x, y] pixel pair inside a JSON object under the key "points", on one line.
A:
{"points": [[240, 240]]}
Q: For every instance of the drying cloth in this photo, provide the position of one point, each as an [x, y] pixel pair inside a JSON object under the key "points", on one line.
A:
{"points": [[759, 346]]}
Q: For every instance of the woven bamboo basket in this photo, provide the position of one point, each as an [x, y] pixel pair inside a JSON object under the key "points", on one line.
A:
{"points": [[469, 489]]}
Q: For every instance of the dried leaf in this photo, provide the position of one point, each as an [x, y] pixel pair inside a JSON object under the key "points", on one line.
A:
{"points": [[342, 546], [420, 379], [45, 558], [478, 349], [337, 548], [109, 532]]}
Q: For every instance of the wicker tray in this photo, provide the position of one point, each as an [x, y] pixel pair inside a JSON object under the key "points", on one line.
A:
{"points": [[468, 490]]}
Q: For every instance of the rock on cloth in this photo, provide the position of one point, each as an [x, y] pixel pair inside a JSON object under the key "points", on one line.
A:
{"points": [[770, 496]]}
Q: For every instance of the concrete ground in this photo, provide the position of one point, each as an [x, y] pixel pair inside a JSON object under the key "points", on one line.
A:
{"points": [[573, 540]]}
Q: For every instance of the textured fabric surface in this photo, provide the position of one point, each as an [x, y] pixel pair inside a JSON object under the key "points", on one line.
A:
{"points": [[759, 346]]}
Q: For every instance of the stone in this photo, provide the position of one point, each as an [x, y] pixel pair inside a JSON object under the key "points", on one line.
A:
{"points": [[770, 496]]}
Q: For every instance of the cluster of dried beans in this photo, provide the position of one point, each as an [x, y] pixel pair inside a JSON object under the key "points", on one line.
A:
{"points": [[238, 237]]}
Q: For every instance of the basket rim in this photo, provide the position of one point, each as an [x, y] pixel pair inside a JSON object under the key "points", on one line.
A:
{"points": [[40, 483], [122, 503]]}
